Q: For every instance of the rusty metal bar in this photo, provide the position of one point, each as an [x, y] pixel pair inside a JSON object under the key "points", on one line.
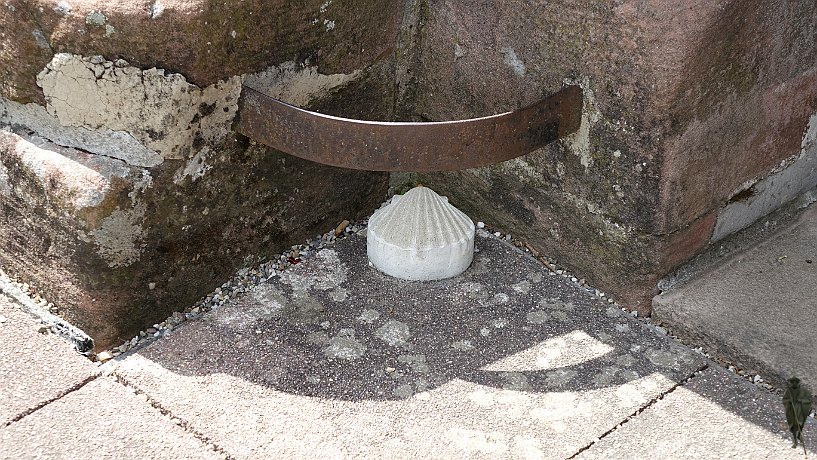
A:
{"points": [[407, 146]]}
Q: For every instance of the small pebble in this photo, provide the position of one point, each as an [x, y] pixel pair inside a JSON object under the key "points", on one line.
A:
{"points": [[389, 370], [42, 329], [3, 319], [480, 224], [105, 356], [341, 227]]}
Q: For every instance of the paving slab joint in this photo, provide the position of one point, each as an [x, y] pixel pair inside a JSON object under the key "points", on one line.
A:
{"points": [[42, 404], [207, 443], [641, 409], [78, 339]]}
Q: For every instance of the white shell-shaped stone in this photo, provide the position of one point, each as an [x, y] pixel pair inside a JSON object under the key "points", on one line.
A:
{"points": [[420, 236]]}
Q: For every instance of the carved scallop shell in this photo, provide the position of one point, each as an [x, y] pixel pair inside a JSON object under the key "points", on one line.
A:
{"points": [[420, 236]]}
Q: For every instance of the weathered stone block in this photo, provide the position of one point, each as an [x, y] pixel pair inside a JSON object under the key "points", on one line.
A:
{"points": [[117, 247], [206, 41], [686, 106], [127, 197], [124, 195]]}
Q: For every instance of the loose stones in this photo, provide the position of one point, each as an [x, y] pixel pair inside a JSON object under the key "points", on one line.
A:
{"points": [[420, 236]]}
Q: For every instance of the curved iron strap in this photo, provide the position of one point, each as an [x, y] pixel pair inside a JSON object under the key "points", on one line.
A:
{"points": [[404, 146]]}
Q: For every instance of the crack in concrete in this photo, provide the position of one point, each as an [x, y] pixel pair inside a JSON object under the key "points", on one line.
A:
{"points": [[638, 411], [59, 396], [184, 424]]}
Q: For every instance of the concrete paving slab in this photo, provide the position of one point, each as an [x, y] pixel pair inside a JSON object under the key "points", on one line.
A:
{"points": [[758, 306], [101, 420], [714, 415], [333, 358], [35, 368]]}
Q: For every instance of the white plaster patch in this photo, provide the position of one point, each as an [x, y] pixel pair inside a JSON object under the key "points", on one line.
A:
{"points": [[338, 294], [194, 168], [394, 333], [458, 51], [579, 142], [119, 236], [512, 60], [499, 323], [344, 346], [515, 381], [95, 18], [5, 186], [62, 7], [330, 274], [161, 110], [368, 316], [522, 287], [501, 298], [556, 304], [404, 391], [265, 302], [156, 9], [560, 377], [537, 317], [663, 358], [622, 328], [416, 362], [295, 83], [462, 345]]}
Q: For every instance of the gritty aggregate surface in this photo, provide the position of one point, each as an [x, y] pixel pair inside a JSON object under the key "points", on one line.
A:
{"points": [[513, 358], [248, 278]]}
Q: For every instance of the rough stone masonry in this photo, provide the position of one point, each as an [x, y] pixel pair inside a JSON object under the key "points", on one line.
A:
{"points": [[125, 195]]}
